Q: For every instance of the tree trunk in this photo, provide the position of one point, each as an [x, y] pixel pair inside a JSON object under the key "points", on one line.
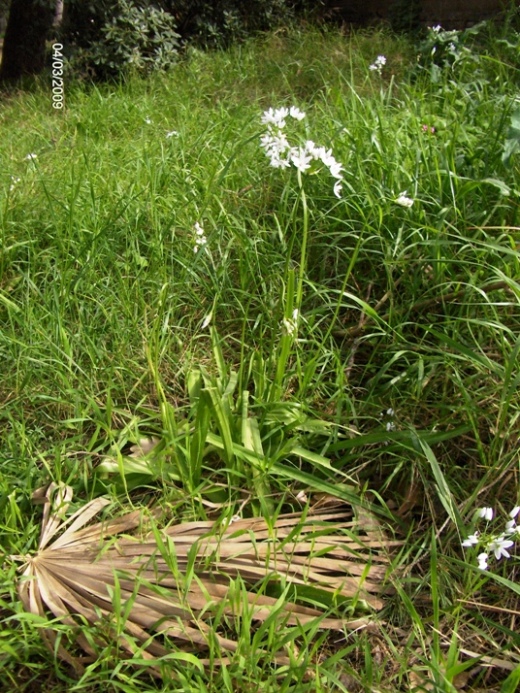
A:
{"points": [[24, 42]]}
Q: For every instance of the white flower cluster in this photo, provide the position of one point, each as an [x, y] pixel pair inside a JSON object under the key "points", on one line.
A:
{"points": [[378, 64], [497, 544], [283, 155], [200, 238]]}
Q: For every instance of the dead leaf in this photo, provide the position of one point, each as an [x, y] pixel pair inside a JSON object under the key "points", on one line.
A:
{"points": [[78, 567]]}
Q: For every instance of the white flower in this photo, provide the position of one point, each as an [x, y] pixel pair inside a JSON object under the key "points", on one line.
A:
{"points": [[31, 157], [171, 133], [499, 546], [301, 496], [485, 514], [326, 156], [337, 188], [148, 121], [275, 117], [403, 200], [300, 158], [390, 426], [200, 238], [437, 28], [482, 561], [295, 112], [378, 64], [14, 182], [312, 149], [335, 170], [514, 512], [278, 162], [472, 540], [274, 145], [390, 411]]}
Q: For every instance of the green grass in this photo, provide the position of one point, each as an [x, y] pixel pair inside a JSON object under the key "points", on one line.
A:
{"points": [[112, 329]]}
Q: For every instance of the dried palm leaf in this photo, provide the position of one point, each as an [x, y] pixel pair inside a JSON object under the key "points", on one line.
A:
{"points": [[170, 581]]}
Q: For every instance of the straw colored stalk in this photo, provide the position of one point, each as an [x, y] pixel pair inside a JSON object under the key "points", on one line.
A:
{"points": [[171, 581]]}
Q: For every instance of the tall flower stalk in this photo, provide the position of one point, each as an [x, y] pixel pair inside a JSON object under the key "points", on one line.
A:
{"points": [[307, 158]]}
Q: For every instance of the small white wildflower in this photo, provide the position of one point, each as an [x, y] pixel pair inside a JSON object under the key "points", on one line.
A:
{"points": [[171, 133], [200, 239], [235, 518], [278, 162], [472, 540], [390, 426], [312, 149], [437, 28], [485, 514], [390, 411], [275, 117], [274, 145], [31, 157], [300, 158], [337, 188], [510, 526], [148, 121], [403, 200], [482, 559], [514, 512], [295, 112], [499, 546], [301, 496], [378, 64], [326, 156], [452, 47], [335, 170], [14, 182]]}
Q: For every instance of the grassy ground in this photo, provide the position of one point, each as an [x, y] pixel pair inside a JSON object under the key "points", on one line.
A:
{"points": [[396, 383]]}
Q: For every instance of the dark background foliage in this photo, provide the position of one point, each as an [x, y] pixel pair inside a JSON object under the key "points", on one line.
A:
{"points": [[98, 44]]}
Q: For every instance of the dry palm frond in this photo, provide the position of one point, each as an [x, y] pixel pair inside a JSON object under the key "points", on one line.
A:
{"points": [[170, 581]]}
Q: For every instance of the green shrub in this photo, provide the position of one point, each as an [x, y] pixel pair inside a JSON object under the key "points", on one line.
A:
{"points": [[138, 38], [107, 37]]}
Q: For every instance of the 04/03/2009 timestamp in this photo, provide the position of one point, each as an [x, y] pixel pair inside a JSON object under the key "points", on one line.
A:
{"points": [[57, 76]]}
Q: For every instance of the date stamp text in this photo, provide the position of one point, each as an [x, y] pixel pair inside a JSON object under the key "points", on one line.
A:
{"points": [[57, 76]]}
